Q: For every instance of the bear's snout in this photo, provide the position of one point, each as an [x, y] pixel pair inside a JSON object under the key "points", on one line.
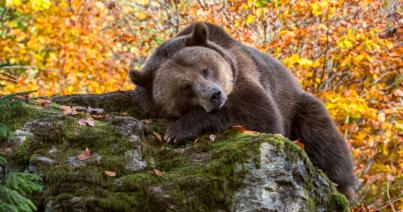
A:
{"points": [[217, 98], [210, 95]]}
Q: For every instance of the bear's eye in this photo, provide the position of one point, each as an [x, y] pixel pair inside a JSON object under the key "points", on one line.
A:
{"points": [[205, 72], [186, 87]]}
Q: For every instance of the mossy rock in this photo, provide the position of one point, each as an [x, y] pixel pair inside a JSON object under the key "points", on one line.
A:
{"points": [[235, 172]]}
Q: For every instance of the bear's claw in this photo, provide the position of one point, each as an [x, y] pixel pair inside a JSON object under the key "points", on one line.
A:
{"points": [[177, 135]]}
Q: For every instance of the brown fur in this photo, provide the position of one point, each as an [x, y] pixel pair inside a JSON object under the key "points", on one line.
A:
{"points": [[260, 93]]}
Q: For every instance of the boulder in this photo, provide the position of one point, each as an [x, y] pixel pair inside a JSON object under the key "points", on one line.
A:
{"points": [[128, 168]]}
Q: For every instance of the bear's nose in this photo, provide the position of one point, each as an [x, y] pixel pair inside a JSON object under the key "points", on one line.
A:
{"points": [[216, 97]]}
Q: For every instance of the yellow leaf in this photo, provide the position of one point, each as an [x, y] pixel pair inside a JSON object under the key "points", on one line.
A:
{"points": [[344, 44], [357, 59], [13, 3], [316, 9], [40, 4], [250, 19]]}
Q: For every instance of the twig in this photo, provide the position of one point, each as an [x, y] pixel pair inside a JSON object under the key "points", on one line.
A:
{"points": [[7, 75], [391, 202], [177, 16], [365, 171], [26, 67], [325, 67], [388, 195], [8, 80]]}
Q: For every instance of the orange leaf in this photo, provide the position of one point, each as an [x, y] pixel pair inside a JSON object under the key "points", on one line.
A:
{"points": [[299, 143], [110, 173], [67, 110], [242, 129], [238, 128], [42, 102], [84, 155]]}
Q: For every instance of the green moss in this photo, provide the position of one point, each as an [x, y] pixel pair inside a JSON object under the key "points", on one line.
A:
{"points": [[112, 162], [310, 204], [215, 181], [337, 202], [118, 202], [136, 182], [5, 132], [66, 174], [173, 163], [13, 112], [92, 137], [188, 186], [79, 181], [23, 152], [200, 193], [159, 125]]}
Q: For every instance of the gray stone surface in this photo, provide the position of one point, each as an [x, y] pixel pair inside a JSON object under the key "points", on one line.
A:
{"points": [[134, 162]]}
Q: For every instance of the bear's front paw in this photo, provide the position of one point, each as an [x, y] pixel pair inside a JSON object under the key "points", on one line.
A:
{"points": [[177, 134]]}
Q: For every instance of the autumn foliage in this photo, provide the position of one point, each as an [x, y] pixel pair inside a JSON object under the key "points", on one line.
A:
{"points": [[348, 53]]}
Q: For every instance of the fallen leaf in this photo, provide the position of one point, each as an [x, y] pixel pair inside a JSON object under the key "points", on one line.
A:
{"points": [[157, 136], [299, 143], [90, 122], [95, 110], [399, 93], [53, 150], [67, 110], [86, 122], [84, 155], [238, 128], [251, 132], [79, 108], [22, 97], [124, 114], [98, 116], [82, 122], [43, 102], [110, 173], [242, 129], [147, 121], [158, 172]]}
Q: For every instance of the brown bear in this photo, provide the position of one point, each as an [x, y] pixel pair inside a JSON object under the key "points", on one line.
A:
{"points": [[209, 81]]}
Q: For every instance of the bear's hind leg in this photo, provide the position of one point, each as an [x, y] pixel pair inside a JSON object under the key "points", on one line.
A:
{"points": [[324, 144]]}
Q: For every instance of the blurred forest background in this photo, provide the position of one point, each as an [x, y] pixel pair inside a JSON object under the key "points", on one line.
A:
{"points": [[347, 52]]}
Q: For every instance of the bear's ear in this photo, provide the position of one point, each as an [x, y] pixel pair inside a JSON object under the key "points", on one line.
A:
{"points": [[141, 78], [199, 35]]}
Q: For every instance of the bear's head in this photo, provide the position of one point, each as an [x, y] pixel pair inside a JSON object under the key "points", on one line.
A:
{"points": [[193, 73]]}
